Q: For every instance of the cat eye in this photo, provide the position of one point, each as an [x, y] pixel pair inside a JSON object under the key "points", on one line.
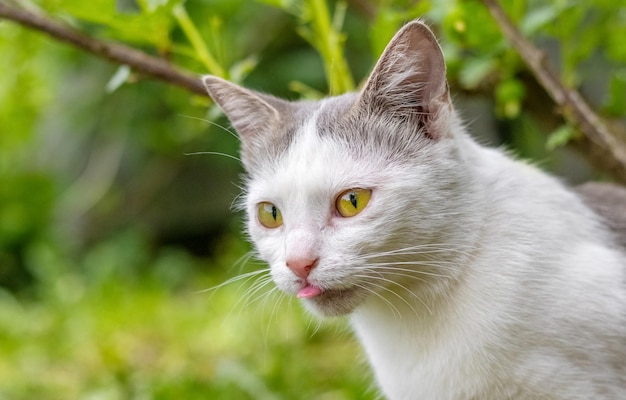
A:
{"points": [[269, 215], [352, 201]]}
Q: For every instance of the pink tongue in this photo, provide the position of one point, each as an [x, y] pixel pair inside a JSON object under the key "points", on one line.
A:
{"points": [[309, 291]]}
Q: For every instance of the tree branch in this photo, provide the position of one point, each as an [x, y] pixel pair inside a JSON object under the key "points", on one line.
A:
{"points": [[599, 144], [137, 60]]}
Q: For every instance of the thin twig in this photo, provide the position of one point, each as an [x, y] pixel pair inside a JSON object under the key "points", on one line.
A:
{"points": [[573, 107], [137, 60]]}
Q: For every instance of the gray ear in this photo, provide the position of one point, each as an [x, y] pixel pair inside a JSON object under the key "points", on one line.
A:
{"points": [[249, 112], [409, 80]]}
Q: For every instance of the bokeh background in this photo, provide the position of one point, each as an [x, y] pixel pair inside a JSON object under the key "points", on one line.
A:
{"points": [[115, 238]]}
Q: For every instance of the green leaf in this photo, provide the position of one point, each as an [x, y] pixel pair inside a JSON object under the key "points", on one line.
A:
{"points": [[537, 18], [509, 96], [384, 27], [118, 79], [475, 70], [197, 41], [560, 137], [616, 103], [149, 27], [241, 69], [293, 7], [305, 91], [323, 33]]}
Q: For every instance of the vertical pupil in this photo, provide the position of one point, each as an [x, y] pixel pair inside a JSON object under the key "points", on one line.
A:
{"points": [[274, 212], [353, 199]]}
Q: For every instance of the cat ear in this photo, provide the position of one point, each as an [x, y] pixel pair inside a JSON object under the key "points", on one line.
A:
{"points": [[409, 80], [250, 113]]}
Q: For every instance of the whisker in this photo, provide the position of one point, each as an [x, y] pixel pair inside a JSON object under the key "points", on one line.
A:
{"points": [[238, 203], [237, 278], [258, 284], [391, 266], [270, 293], [422, 249], [400, 272], [426, 255], [381, 278], [393, 308], [215, 153], [418, 250], [251, 295], [318, 325], [274, 312], [233, 134], [246, 276], [242, 261]]}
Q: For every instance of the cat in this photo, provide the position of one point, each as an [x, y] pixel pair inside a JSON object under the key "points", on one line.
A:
{"points": [[465, 274]]}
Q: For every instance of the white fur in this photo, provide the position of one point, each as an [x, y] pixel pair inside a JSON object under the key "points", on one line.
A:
{"points": [[469, 275], [540, 313], [536, 288], [304, 186]]}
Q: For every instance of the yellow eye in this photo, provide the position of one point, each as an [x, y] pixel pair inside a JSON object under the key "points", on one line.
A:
{"points": [[353, 201], [269, 215]]}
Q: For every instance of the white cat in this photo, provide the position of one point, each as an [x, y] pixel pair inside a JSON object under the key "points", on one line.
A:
{"points": [[466, 274]]}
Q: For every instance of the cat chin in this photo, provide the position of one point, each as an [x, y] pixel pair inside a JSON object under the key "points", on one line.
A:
{"points": [[335, 303]]}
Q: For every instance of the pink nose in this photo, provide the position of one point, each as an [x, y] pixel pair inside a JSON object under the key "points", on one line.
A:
{"points": [[302, 266]]}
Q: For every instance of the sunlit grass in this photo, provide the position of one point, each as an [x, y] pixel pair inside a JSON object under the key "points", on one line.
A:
{"points": [[96, 331]]}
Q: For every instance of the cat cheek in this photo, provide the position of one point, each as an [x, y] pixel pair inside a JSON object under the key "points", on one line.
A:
{"points": [[265, 245]]}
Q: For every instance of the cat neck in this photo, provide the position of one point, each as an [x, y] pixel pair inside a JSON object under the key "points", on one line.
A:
{"points": [[510, 252]]}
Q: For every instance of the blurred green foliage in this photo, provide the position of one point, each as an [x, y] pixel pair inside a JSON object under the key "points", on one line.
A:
{"points": [[109, 232], [122, 322]]}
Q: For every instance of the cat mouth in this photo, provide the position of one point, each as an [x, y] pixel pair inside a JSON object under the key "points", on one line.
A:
{"points": [[314, 292], [329, 302], [309, 291]]}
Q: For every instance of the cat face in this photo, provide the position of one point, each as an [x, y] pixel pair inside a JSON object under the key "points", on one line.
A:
{"points": [[339, 190], [334, 219], [316, 252]]}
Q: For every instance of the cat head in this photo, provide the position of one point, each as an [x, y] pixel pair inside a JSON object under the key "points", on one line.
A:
{"points": [[347, 198]]}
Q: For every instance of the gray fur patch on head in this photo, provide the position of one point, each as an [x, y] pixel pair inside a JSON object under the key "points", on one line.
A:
{"points": [[266, 125], [269, 148], [366, 134]]}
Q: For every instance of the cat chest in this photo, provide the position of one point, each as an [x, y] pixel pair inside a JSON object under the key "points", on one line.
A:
{"points": [[416, 364]]}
